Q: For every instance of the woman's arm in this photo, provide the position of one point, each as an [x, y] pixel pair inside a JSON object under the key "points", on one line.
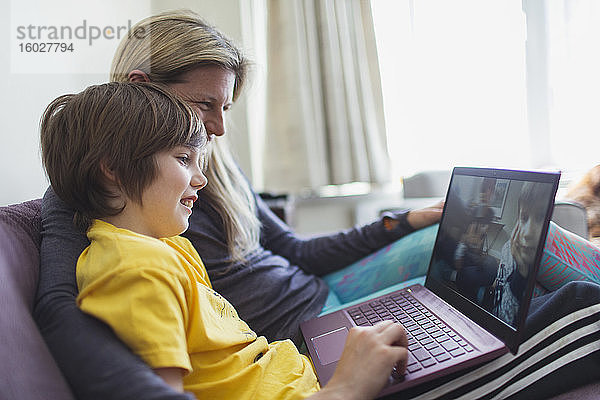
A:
{"points": [[95, 362], [326, 253]]}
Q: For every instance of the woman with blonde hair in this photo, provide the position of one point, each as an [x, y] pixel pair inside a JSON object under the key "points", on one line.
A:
{"points": [[271, 277], [169, 49]]}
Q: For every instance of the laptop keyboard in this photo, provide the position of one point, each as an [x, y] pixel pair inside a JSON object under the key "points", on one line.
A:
{"points": [[430, 341]]}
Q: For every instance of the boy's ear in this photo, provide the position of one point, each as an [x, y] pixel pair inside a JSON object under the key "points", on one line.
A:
{"points": [[109, 174], [138, 76], [117, 197]]}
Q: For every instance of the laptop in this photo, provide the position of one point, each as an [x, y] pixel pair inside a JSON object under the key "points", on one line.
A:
{"points": [[481, 276]]}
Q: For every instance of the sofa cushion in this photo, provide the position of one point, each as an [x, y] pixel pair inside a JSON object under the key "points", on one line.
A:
{"points": [[567, 257], [28, 370]]}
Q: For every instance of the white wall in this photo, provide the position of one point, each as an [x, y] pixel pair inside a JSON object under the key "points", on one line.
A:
{"points": [[31, 80], [322, 215]]}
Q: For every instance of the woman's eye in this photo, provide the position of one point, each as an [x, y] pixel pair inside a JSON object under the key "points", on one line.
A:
{"points": [[204, 106]]}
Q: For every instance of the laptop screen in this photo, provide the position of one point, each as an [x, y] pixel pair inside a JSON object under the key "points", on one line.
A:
{"points": [[490, 239]]}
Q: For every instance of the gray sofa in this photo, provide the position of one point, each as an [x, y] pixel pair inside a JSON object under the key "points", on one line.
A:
{"points": [[28, 370]]}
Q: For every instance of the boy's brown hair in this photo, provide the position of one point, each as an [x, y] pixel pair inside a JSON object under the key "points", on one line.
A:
{"points": [[116, 127]]}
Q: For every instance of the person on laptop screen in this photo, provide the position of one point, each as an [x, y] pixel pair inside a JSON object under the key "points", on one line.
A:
{"points": [[518, 253], [490, 251]]}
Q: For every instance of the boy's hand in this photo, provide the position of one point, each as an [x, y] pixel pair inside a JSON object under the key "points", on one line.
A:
{"points": [[425, 216], [370, 354]]}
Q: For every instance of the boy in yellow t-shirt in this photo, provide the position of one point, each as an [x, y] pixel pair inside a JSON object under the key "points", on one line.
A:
{"points": [[128, 158]]}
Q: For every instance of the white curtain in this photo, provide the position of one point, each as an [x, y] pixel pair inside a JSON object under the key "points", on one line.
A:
{"points": [[325, 121]]}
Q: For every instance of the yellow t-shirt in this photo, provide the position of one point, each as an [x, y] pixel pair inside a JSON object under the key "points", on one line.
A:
{"points": [[157, 297]]}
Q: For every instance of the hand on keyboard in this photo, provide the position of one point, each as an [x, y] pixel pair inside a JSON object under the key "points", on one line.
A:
{"points": [[429, 340], [369, 355]]}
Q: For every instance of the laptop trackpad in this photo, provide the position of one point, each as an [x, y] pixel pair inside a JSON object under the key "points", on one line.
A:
{"points": [[329, 346]]}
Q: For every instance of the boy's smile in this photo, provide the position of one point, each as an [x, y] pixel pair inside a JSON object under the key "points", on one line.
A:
{"points": [[189, 203], [167, 202]]}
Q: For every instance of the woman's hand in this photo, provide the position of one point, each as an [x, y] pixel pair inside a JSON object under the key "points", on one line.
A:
{"points": [[370, 354], [425, 216]]}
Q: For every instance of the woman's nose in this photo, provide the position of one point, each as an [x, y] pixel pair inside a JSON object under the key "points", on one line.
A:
{"points": [[215, 124]]}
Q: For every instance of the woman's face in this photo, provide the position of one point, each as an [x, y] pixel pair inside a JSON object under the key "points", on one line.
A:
{"points": [[209, 89]]}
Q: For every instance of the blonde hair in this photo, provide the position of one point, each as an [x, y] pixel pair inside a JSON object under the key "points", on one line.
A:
{"points": [[167, 45]]}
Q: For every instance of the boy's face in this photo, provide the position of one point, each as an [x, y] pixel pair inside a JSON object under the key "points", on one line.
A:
{"points": [[525, 236], [167, 202]]}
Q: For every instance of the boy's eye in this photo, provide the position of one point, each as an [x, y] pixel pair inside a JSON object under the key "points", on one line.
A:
{"points": [[184, 160]]}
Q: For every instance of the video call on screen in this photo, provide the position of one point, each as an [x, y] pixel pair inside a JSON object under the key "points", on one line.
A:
{"points": [[488, 241]]}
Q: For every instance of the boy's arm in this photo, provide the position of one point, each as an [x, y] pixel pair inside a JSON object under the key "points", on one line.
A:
{"points": [[172, 377], [94, 361], [369, 355]]}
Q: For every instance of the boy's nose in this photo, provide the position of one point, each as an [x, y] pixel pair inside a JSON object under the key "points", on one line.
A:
{"points": [[199, 180]]}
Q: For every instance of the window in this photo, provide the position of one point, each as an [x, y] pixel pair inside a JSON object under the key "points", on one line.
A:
{"points": [[455, 87], [574, 80]]}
